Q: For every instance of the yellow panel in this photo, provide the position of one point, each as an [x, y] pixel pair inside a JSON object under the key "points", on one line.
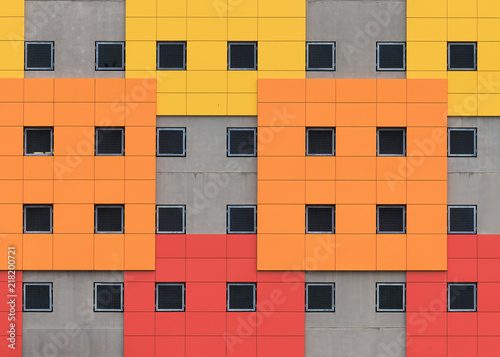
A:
{"points": [[282, 8], [207, 81], [171, 29], [175, 8], [171, 81], [140, 28], [242, 8], [426, 8], [462, 8], [488, 29], [282, 29], [11, 74], [151, 73], [242, 104], [462, 29], [462, 82], [488, 54], [488, 8], [11, 28], [206, 8], [276, 56], [282, 74], [489, 105], [207, 104], [242, 29], [140, 8], [427, 56], [208, 29], [242, 81], [12, 57], [141, 55], [488, 82], [197, 58], [171, 104], [427, 74], [13, 8], [462, 104], [426, 29]]}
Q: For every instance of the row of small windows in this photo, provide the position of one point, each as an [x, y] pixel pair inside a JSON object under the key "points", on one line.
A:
{"points": [[320, 297]]}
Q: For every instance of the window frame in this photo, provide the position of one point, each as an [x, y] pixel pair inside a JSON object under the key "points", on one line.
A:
{"points": [[38, 206], [29, 128], [228, 296], [158, 154], [122, 294], [228, 217], [462, 43], [159, 43], [228, 137], [171, 284], [96, 220], [52, 56], [333, 129], [404, 219], [377, 293], [403, 129], [255, 49], [462, 206], [320, 284], [97, 43], [449, 309], [391, 69], [97, 129], [333, 219], [51, 296], [475, 142], [334, 56], [158, 207]]}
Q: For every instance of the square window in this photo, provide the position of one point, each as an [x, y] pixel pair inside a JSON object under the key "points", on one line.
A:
{"points": [[462, 56], [391, 297], [462, 142], [320, 219], [241, 142], [171, 219], [241, 296], [109, 56], [39, 56], [38, 141], [391, 141], [321, 56], [242, 55], [320, 141], [108, 219], [38, 219], [171, 141], [462, 219], [37, 297], [110, 141], [391, 219], [108, 297], [171, 55], [391, 56], [462, 297], [241, 219], [320, 297], [170, 296]]}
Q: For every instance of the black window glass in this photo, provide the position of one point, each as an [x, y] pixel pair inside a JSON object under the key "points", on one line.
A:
{"points": [[171, 219], [37, 297], [241, 219], [39, 56], [241, 142], [170, 297], [109, 141], [462, 142], [108, 297], [38, 141], [109, 219], [390, 297], [462, 297], [319, 297], [171, 142], [391, 56], [320, 142], [171, 56], [462, 56], [462, 219], [391, 142], [242, 56], [110, 56], [38, 219], [320, 219], [320, 56], [241, 297], [391, 219]]}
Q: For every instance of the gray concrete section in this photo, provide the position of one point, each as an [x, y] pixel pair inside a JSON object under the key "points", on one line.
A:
{"points": [[356, 26], [75, 26]]}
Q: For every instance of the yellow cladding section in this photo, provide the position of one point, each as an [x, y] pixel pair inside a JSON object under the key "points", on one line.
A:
{"points": [[206, 86], [12, 39], [431, 25]]}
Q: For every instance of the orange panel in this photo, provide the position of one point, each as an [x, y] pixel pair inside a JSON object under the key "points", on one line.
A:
{"points": [[74, 114], [391, 114], [426, 218], [356, 192], [354, 141], [281, 168], [11, 89], [281, 219], [427, 114], [281, 90], [73, 218], [109, 251], [65, 246], [15, 165], [427, 90], [140, 114], [356, 114], [427, 168], [139, 252], [110, 90], [11, 191], [320, 192], [69, 167], [39, 167], [109, 114], [320, 252], [391, 251], [37, 251], [320, 114], [140, 191], [74, 90], [281, 141], [391, 192], [427, 192], [320, 168], [140, 141], [425, 141], [355, 218], [357, 90], [391, 168], [38, 191], [11, 240], [140, 167], [107, 191], [11, 114], [356, 252], [39, 89], [281, 192], [73, 191], [320, 90], [391, 90], [76, 140], [140, 90], [427, 252], [290, 246], [282, 114], [109, 167], [140, 218], [11, 140], [39, 114], [356, 168]]}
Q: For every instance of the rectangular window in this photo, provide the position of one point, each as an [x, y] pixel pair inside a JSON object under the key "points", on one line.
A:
{"points": [[109, 218], [462, 56], [462, 142], [171, 219], [37, 297], [391, 219], [108, 297], [320, 141], [320, 56], [171, 141], [170, 296], [391, 297], [39, 56], [391, 56], [391, 141], [38, 141], [320, 297], [241, 142], [171, 56], [110, 141], [462, 297], [241, 296], [37, 218], [242, 55], [462, 219], [109, 56], [241, 219], [320, 219]]}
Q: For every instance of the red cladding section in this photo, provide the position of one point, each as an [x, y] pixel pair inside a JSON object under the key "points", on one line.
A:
{"points": [[11, 287]]}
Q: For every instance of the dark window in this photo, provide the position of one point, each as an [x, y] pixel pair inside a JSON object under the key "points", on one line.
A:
{"points": [[320, 219], [241, 296], [109, 141], [242, 55], [320, 141], [462, 56], [170, 296], [462, 142], [391, 219], [108, 296], [38, 141], [321, 56], [391, 56], [37, 219], [391, 297], [171, 55], [170, 219], [241, 142], [108, 219], [462, 219], [109, 56], [241, 219], [462, 296], [391, 142], [37, 297], [320, 297], [39, 56], [171, 142]]}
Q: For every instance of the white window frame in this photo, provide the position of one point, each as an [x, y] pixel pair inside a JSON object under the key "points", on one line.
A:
{"points": [[51, 302], [159, 44], [378, 309], [462, 206], [320, 206], [107, 284], [334, 59], [228, 296], [391, 129], [97, 44], [404, 219], [38, 206], [230, 43], [183, 285], [228, 211], [26, 43], [159, 207], [462, 310], [462, 129], [320, 129], [228, 141], [332, 285], [158, 130], [391, 69], [97, 129], [475, 56], [33, 128], [96, 219]]}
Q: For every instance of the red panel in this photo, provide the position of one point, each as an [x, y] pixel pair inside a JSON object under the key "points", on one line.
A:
{"points": [[170, 270], [280, 323], [462, 246], [426, 277], [462, 324], [205, 270], [4, 300], [489, 270], [170, 323], [241, 246], [426, 324], [426, 297], [170, 245], [281, 346], [171, 346], [242, 323], [5, 351], [280, 297], [462, 270], [241, 346], [206, 346], [487, 324], [139, 323], [242, 270], [462, 347], [139, 296], [205, 323], [426, 347], [139, 275], [5, 323], [487, 300], [143, 346], [488, 346], [206, 246], [206, 296], [489, 246], [296, 277]]}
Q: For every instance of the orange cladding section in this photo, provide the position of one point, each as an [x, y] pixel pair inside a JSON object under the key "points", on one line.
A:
{"points": [[355, 180]]}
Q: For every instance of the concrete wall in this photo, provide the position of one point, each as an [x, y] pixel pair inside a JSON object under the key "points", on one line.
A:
{"points": [[206, 180], [356, 26], [75, 26], [355, 329]]}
